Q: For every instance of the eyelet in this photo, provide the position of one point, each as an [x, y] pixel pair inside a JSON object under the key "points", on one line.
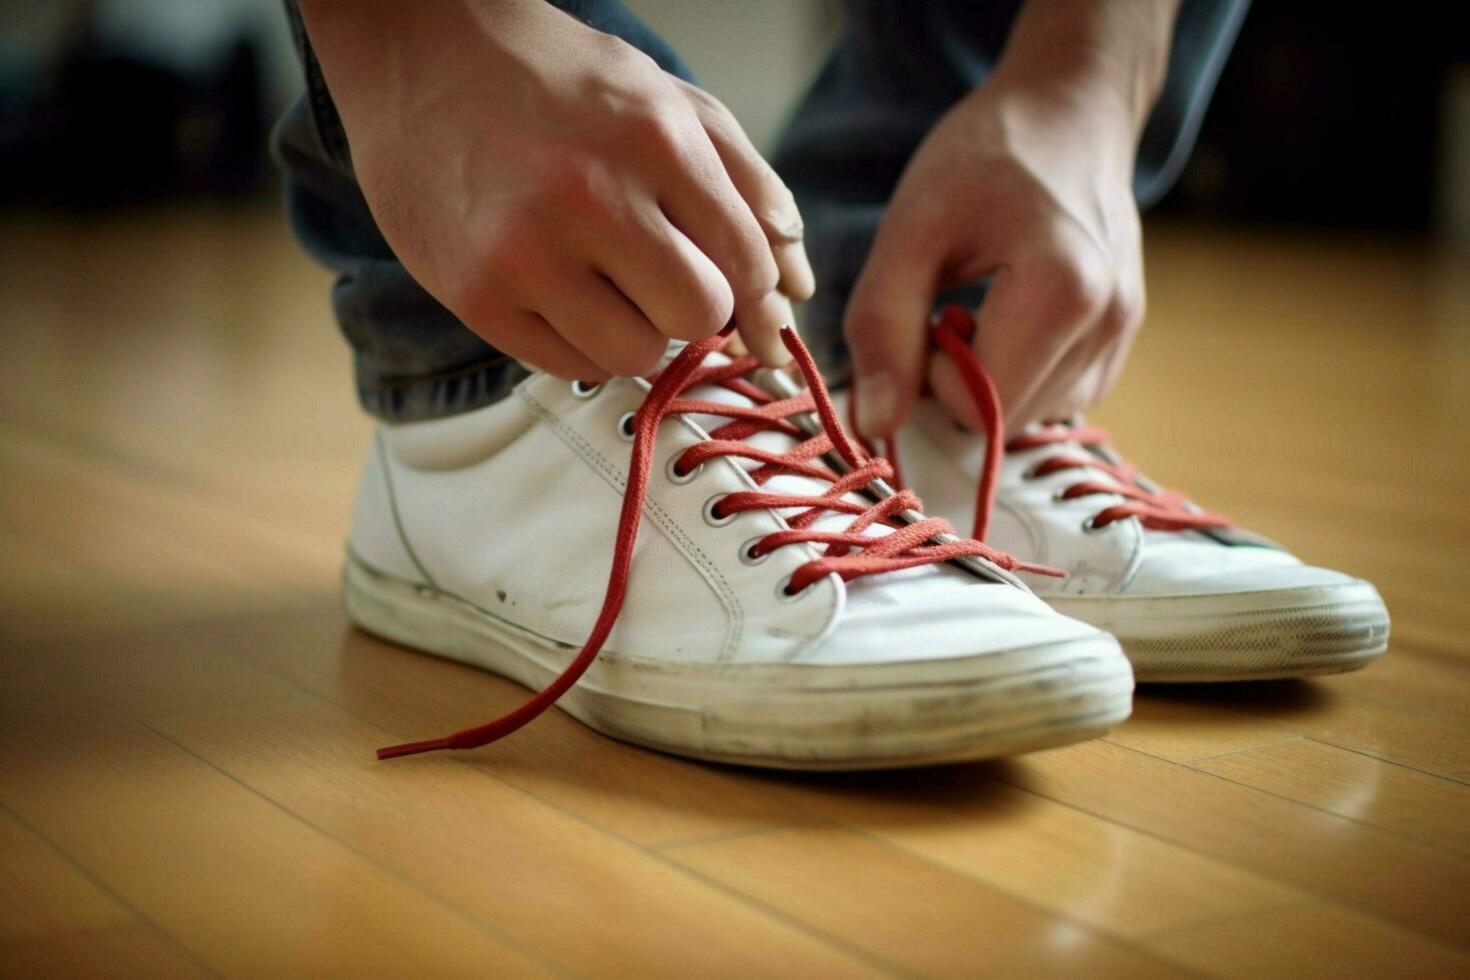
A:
{"points": [[713, 519], [784, 593], [1090, 528], [625, 425], [1060, 497], [584, 389], [1031, 474], [672, 471], [745, 552]]}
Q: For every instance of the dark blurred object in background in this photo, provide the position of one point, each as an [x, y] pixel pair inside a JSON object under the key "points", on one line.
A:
{"points": [[115, 101], [1338, 114], [1343, 115]]}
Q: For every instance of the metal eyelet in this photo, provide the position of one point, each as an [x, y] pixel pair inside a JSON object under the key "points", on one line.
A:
{"points": [[672, 471], [1088, 527], [625, 425], [1060, 497], [713, 519], [585, 389], [784, 593], [1031, 474], [746, 552]]}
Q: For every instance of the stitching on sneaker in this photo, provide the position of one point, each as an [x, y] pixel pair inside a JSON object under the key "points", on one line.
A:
{"points": [[717, 582]]}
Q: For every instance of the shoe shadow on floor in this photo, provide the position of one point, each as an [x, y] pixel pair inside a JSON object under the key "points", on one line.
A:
{"points": [[972, 793], [1261, 699]]}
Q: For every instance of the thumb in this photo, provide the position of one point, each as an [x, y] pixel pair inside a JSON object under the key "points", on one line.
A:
{"points": [[887, 317]]}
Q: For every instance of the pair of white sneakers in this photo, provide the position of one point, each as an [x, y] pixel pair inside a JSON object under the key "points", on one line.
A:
{"points": [[705, 563]]}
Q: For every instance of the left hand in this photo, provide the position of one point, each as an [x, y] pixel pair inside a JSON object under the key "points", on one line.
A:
{"points": [[1030, 186]]}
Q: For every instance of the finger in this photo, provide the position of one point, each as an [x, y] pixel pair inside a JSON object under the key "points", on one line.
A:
{"points": [[767, 195], [797, 279], [604, 326], [1067, 389], [764, 338], [885, 324], [675, 285], [1082, 377], [1033, 313], [764, 191], [1135, 305], [529, 339], [703, 203]]}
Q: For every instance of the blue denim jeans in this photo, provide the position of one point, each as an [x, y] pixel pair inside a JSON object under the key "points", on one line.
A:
{"points": [[896, 68]]}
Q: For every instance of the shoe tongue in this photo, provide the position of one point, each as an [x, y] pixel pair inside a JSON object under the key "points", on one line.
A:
{"points": [[774, 441]]}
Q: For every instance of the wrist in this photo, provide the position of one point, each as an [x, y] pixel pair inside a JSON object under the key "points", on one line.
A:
{"points": [[1098, 59], [1056, 125]]}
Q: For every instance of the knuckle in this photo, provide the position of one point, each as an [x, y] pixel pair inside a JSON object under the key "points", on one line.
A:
{"points": [[766, 276], [582, 183], [1126, 311], [1081, 286], [652, 124], [756, 274], [704, 101], [633, 61]]}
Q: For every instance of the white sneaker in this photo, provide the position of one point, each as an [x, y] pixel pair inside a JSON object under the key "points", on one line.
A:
{"points": [[773, 616], [1189, 596]]}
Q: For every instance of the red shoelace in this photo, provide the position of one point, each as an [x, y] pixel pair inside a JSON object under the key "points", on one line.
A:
{"points": [[1157, 509], [849, 554]]}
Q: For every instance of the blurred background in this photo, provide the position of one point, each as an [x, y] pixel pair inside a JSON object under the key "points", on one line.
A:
{"points": [[1327, 114]]}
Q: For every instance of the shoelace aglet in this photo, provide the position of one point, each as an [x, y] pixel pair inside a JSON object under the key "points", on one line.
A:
{"points": [[414, 748]]}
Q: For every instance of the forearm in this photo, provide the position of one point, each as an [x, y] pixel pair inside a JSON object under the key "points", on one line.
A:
{"points": [[1104, 55], [367, 47]]}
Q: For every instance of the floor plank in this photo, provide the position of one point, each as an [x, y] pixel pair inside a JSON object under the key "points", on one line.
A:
{"points": [[1311, 940], [43, 893], [1099, 872], [1179, 732], [455, 829], [1328, 713], [1429, 809], [243, 885], [638, 794], [1415, 886], [121, 951], [882, 900]]}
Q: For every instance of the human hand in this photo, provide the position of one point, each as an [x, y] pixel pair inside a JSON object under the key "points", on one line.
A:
{"points": [[1028, 181], [568, 200]]}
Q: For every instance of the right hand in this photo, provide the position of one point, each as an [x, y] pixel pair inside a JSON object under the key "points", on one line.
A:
{"points": [[568, 200]]}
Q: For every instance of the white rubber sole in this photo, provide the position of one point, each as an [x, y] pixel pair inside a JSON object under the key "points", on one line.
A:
{"points": [[1241, 636], [785, 716]]}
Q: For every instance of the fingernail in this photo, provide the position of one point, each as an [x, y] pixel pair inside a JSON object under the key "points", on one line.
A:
{"points": [[769, 317], [792, 230], [876, 397], [785, 218]]}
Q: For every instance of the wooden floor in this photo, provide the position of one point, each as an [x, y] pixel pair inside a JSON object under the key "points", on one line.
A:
{"points": [[187, 783]]}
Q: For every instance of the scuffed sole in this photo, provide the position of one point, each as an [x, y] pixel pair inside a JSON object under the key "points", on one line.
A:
{"points": [[1252, 636], [776, 716]]}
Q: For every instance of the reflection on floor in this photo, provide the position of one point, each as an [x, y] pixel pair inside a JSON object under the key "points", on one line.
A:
{"points": [[186, 724]]}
